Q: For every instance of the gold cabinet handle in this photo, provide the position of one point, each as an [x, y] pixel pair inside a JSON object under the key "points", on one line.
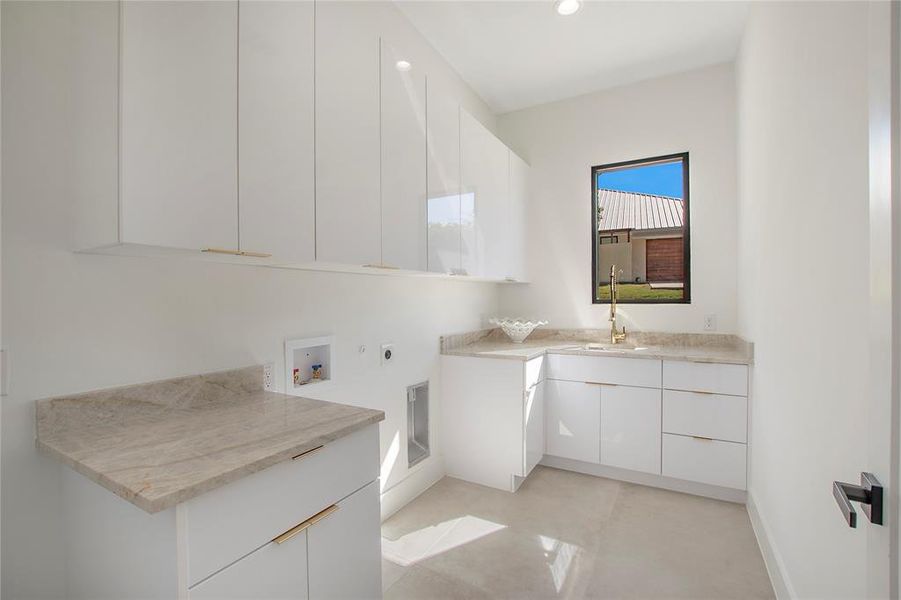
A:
{"points": [[598, 383], [309, 452], [305, 525], [702, 438], [236, 252], [382, 266]]}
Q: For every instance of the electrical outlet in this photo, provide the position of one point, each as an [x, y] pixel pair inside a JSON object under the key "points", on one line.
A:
{"points": [[387, 353], [267, 376], [709, 322], [4, 374]]}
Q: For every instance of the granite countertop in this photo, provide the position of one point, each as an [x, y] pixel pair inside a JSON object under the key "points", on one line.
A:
{"points": [[695, 347], [162, 443]]}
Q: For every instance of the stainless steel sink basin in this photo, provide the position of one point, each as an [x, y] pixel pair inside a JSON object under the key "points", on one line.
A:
{"points": [[603, 347]]}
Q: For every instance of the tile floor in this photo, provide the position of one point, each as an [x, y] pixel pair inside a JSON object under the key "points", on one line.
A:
{"points": [[567, 535]]}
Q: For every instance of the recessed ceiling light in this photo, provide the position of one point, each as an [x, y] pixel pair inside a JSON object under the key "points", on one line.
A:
{"points": [[403, 65], [567, 7]]}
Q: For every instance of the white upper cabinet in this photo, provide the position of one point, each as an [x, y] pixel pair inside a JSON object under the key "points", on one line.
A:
{"points": [[485, 175], [275, 83], [519, 187], [178, 136], [403, 158], [348, 215], [443, 178], [317, 135]]}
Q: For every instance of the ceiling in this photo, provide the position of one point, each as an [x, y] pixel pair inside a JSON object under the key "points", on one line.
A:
{"points": [[518, 54]]}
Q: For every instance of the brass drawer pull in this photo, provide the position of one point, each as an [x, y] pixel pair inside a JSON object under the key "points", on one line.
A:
{"points": [[702, 438], [309, 452], [305, 525], [236, 252], [382, 266], [598, 383]]}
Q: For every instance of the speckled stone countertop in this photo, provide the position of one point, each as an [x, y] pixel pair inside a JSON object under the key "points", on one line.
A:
{"points": [[694, 347], [162, 443]]}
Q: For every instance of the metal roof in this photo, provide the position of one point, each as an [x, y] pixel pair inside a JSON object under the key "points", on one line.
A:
{"points": [[629, 210]]}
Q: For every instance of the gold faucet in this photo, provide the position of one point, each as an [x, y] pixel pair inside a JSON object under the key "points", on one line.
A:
{"points": [[614, 335]]}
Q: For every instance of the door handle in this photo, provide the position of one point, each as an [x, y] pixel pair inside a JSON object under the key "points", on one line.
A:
{"points": [[868, 493]]}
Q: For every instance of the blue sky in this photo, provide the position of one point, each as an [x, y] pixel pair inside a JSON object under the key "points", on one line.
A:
{"points": [[660, 180]]}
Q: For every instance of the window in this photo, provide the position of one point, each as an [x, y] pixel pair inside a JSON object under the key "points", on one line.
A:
{"points": [[640, 228]]}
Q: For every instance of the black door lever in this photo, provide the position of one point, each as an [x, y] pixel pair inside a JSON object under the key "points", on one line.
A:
{"points": [[868, 493]]}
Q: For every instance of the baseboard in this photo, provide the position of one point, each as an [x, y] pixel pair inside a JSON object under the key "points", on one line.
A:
{"points": [[426, 474], [782, 586], [648, 479]]}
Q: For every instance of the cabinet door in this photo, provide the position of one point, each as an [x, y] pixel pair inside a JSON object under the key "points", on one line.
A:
{"points": [[443, 179], [573, 420], [533, 417], [519, 184], [485, 179], [347, 132], [345, 552], [178, 145], [276, 129], [403, 162], [630, 428], [274, 572]]}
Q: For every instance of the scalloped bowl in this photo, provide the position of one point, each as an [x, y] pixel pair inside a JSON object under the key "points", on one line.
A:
{"points": [[516, 329]]}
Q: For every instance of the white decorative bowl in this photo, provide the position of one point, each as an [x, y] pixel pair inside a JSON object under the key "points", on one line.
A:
{"points": [[516, 329]]}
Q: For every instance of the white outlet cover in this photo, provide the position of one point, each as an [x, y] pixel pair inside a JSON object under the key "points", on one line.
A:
{"points": [[267, 376], [710, 322], [387, 353]]}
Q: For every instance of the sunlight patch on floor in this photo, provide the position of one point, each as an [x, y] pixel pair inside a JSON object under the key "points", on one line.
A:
{"points": [[431, 541], [560, 556]]}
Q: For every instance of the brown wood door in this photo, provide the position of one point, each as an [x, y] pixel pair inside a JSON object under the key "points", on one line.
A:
{"points": [[664, 260]]}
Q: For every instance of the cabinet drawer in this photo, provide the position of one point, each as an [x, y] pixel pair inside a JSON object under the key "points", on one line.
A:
{"points": [[275, 571], [707, 415], [228, 523], [640, 372], [705, 377], [705, 461], [534, 371]]}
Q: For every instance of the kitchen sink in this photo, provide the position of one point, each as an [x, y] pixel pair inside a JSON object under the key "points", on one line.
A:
{"points": [[603, 347]]}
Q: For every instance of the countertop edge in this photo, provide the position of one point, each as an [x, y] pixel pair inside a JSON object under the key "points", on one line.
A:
{"points": [[155, 505], [650, 355]]}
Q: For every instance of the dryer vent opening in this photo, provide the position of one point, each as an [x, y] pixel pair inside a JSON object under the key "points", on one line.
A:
{"points": [[417, 423]]}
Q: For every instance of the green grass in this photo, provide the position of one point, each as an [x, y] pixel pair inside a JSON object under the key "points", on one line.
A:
{"points": [[637, 291]]}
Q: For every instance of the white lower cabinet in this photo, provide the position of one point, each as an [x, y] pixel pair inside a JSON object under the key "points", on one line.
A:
{"points": [[713, 416], [622, 413], [307, 527], [704, 460], [493, 423], [601, 415], [533, 416], [335, 543], [313, 562], [273, 571], [573, 420], [630, 428]]}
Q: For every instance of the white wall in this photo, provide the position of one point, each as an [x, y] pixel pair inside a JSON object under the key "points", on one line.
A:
{"points": [[75, 322], [693, 111], [802, 90]]}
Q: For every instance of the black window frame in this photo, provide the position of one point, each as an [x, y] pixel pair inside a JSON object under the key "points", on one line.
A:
{"points": [[686, 227]]}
